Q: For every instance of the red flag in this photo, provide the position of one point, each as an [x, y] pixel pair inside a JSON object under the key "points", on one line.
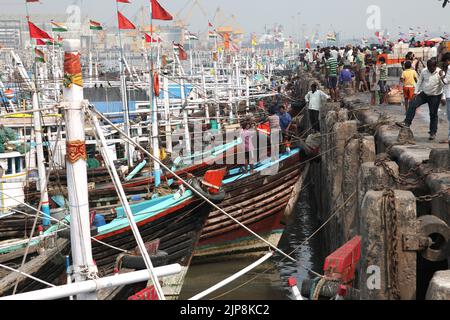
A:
{"points": [[40, 42], [149, 38], [36, 33], [159, 13], [32, 0], [182, 55], [226, 40], [210, 24], [124, 1], [124, 23]]}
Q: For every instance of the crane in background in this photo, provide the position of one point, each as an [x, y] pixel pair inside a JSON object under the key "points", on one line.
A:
{"points": [[182, 21]]}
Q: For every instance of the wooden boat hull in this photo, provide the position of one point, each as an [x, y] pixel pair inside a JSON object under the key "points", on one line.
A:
{"points": [[259, 202], [178, 228]]}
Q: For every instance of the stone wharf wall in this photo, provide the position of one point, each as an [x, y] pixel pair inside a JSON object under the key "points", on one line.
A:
{"points": [[358, 192]]}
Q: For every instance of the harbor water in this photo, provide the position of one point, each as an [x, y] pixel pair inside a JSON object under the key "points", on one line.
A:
{"points": [[269, 280]]}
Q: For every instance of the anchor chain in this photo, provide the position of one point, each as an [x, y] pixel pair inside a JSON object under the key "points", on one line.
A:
{"points": [[429, 197], [397, 178], [389, 222]]}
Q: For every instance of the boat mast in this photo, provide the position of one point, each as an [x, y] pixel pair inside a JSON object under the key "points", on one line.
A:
{"points": [[123, 91], [80, 231], [45, 208], [154, 110], [184, 104], [167, 114]]}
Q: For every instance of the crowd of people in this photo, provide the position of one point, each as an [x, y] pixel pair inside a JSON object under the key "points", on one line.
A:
{"points": [[350, 68], [365, 70]]}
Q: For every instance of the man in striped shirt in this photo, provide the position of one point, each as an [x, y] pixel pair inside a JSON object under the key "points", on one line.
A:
{"points": [[383, 71], [332, 75]]}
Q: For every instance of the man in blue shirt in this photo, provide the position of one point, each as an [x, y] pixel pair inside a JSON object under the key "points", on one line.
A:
{"points": [[285, 119]]}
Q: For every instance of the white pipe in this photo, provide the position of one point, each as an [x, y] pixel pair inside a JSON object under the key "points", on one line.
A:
{"points": [[94, 285], [232, 278]]}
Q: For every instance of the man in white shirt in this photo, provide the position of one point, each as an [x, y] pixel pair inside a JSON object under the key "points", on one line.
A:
{"points": [[334, 53], [315, 99], [429, 89], [433, 51]]}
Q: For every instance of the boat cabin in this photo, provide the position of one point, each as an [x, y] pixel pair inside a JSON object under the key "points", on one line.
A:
{"points": [[12, 180]]}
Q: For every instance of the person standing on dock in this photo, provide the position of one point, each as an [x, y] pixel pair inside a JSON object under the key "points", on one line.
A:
{"points": [[382, 82], [332, 75], [445, 76], [409, 79], [315, 99], [429, 89], [371, 74]]}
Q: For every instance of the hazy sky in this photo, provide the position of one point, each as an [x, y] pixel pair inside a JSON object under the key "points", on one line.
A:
{"points": [[347, 16]]}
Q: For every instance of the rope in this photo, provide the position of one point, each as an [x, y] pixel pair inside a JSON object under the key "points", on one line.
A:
{"points": [[27, 275], [59, 222], [193, 189], [318, 287], [295, 249]]}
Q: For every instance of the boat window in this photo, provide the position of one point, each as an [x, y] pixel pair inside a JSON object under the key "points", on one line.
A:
{"points": [[18, 163], [10, 165]]}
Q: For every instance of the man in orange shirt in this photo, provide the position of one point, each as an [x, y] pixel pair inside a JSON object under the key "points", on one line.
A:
{"points": [[409, 79]]}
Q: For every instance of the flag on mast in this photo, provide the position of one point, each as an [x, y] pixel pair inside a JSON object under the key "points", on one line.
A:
{"points": [[124, 23], [40, 56], [182, 55], [37, 33], [159, 13], [331, 36], [149, 38], [190, 36], [30, 1], [40, 42], [58, 27], [94, 25], [212, 34], [124, 1]]}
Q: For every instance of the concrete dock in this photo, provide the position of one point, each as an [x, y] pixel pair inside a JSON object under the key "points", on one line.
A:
{"points": [[389, 185]]}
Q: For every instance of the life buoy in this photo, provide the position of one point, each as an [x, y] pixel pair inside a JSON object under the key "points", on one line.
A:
{"points": [[156, 84], [9, 94]]}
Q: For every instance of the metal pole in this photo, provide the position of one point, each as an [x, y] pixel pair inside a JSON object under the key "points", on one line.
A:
{"points": [[206, 106], [187, 136], [167, 114], [126, 207], [40, 159], [123, 89]]}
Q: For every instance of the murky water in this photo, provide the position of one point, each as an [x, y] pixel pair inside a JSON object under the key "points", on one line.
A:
{"points": [[269, 280]]}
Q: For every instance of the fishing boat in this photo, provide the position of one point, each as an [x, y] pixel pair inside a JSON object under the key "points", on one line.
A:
{"points": [[258, 201], [175, 221]]}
